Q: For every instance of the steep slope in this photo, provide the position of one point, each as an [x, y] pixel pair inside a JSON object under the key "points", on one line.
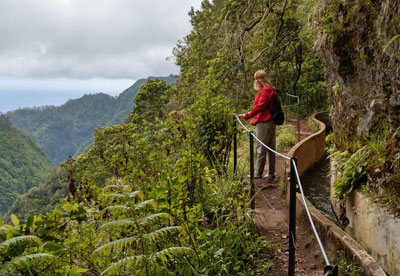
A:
{"points": [[68, 129], [60, 131], [23, 164], [361, 47], [42, 198]]}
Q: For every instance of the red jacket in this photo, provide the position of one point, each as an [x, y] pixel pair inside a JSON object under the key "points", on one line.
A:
{"points": [[263, 103]]}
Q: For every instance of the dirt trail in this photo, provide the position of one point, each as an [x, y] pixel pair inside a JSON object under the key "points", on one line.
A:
{"points": [[272, 215]]}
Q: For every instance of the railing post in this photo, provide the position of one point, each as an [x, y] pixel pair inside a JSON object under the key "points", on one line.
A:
{"points": [[234, 146], [331, 270], [298, 122], [292, 218], [252, 203]]}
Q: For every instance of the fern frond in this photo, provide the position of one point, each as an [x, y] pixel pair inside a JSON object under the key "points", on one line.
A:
{"points": [[130, 261], [127, 195], [172, 252], [161, 233], [145, 203], [117, 187], [28, 240], [22, 261], [151, 218], [117, 244], [117, 207], [118, 223], [116, 196]]}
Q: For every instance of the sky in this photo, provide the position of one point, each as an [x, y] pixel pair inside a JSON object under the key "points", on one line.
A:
{"points": [[55, 50]]}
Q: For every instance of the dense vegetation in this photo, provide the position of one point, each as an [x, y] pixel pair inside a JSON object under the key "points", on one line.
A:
{"points": [[156, 195], [67, 130], [23, 165], [41, 199]]}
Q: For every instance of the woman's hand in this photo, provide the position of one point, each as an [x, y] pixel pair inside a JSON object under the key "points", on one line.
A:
{"points": [[241, 115]]}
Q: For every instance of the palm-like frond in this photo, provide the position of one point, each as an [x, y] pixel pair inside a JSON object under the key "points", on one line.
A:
{"points": [[161, 233], [130, 261], [22, 261], [145, 203], [151, 218], [116, 187], [153, 236], [134, 261], [132, 222], [172, 252], [117, 244], [117, 207], [127, 195], [28, 240], [118, 223]]}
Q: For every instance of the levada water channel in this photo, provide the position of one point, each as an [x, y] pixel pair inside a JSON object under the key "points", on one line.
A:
{"points": [[316, 186]]}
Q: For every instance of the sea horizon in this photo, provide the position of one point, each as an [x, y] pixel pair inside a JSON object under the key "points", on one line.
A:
{"points": [[16, 93]]}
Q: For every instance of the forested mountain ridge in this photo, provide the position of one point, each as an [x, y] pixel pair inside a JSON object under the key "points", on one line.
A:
{"points": [[68, 129], [42, 198], [23, 164]]}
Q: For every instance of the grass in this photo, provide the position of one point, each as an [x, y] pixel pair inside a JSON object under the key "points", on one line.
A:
{"points": [[286, 137], [347, 268], [312, 125]]}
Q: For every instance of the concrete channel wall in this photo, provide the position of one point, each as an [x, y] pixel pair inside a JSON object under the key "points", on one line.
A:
{"points": [[376, 229], [309, 151]]}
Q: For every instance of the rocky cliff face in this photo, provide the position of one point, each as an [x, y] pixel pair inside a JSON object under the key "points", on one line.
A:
{"points": [[360, 44]]}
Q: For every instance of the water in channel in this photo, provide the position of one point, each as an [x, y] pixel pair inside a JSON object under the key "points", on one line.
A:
{"points": [[316, 184]]}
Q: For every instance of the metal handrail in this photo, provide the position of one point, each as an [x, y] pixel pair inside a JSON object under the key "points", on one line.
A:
{"points": [[309, 216], [294, 96], [274, 151], [329, 269]]}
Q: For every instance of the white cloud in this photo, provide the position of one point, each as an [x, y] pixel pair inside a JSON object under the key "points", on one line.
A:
{"points": [[91, 38]]}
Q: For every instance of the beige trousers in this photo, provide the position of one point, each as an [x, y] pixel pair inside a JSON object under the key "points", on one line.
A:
{"points": [[266, 132]]}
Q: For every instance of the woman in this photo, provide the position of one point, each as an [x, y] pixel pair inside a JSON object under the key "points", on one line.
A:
{"points": [[265, 127]]}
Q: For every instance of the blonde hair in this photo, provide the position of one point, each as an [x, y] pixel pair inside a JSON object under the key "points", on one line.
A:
{"points": [[260, 74]]}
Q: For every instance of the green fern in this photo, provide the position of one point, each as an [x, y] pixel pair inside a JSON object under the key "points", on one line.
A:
{"points": [[161, 233], [24, 261], [153, 236], [131, 261], [145, 203], [117, 187], [117, 207], [351, 169], [118, 223], [134, 194], [138, 260], [152, 218], [173, 252], [121, 243], [123, 223], [16, 241]]}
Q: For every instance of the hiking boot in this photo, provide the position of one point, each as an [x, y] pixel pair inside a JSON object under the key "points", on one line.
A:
{"points": [[255, 176], [269, 176]]}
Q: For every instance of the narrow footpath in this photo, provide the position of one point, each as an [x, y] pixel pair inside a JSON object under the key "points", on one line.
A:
{"points": [[272, 221]]}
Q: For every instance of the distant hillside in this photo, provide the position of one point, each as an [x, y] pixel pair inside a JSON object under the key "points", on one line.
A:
{"points": [[23, 164], [42, 198], [68, 129]]}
